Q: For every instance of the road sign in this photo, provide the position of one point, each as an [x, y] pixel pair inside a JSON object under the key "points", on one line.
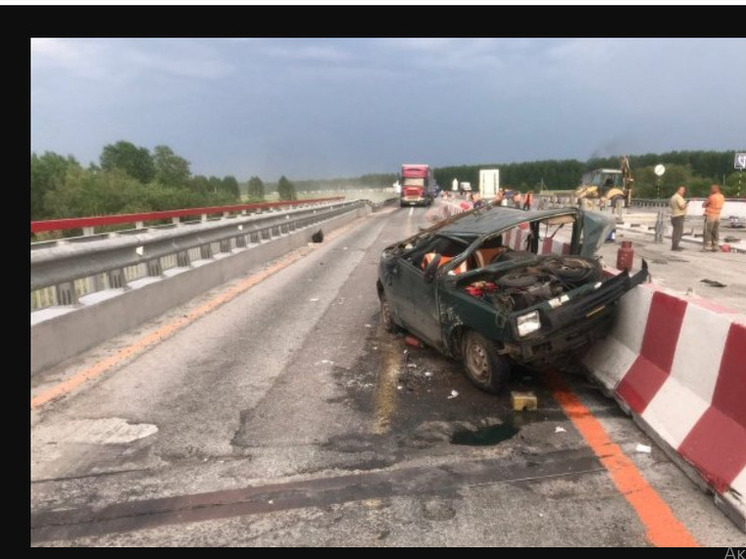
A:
{"points": [[740, 161]]}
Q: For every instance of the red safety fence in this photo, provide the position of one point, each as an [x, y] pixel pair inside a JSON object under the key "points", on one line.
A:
{"points": [[98, 221]]}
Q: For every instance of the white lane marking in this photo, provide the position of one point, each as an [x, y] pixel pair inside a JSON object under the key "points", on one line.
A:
{"points": [[112, 430]]}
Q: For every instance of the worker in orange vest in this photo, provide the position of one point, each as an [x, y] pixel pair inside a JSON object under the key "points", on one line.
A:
{"points": [[713, 206]]}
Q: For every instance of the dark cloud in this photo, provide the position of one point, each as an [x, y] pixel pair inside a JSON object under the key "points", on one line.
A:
{"points": [[320, 108]]}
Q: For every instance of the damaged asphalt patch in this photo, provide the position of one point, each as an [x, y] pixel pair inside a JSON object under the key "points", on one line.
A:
{"points": [[429, 404]]}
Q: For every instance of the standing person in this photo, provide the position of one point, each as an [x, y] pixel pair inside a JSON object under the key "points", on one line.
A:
{"points": [[678, 206], [503, 198], [713, 206], [517, 200], [528, 200]]}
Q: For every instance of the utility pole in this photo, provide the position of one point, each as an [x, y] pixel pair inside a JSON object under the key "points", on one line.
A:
{"points": [[659, 170]]}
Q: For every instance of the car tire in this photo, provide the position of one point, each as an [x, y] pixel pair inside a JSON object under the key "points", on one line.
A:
{"points": [[387, 319], [484, 367], [574, 268], [518, 280]]}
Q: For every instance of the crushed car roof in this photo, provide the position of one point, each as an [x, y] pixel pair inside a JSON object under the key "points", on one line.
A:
{"points": [[483, 221]]}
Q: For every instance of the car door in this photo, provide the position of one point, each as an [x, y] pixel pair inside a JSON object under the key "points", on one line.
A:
{"points": [[416, 302], [397, 280], [595, 230], [425, 311]]}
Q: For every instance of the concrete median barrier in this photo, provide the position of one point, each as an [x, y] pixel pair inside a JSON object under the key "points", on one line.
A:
{"points": [[677, 365]]}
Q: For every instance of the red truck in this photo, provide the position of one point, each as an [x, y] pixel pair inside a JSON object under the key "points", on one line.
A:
{"points": [[417, 185]]}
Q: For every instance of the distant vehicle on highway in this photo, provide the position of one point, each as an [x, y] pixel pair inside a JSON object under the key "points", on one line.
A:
{"points": [[462, 290], [417, 185]]}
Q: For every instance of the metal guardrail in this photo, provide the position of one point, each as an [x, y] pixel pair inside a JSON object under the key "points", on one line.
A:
{"points": [[89, 224], [649, 203], [63, 271]]}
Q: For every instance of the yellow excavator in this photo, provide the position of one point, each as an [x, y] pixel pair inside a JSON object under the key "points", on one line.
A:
{"points": [[608, 185]]}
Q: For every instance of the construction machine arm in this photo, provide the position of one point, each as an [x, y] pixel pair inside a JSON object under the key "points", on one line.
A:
{"points": [[628, 179]]}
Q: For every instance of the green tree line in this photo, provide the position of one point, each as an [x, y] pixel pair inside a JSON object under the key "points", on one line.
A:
{"points": [[696, 170], [133, 179]]}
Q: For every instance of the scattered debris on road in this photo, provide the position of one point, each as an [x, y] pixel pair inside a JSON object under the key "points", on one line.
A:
{"points": [[523, 401], [713, 283], [411, 340]]}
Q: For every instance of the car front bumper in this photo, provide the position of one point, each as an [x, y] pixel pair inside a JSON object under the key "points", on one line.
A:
{"points": [[574, 325]]}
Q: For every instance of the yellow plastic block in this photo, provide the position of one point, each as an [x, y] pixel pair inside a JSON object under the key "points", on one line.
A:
{"points": [[524, 401]]}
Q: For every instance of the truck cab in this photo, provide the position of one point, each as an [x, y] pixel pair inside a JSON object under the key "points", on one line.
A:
{"points": [[417, 185]]}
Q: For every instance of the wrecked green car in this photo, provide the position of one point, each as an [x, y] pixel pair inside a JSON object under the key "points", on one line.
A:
{"points": [[495, 287]]}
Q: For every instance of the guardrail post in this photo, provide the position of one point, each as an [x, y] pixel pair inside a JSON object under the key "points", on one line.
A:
{"points": [[154, 267], [206, 251], [225, 245], [117, 279], [182, 259], [66, 294], [659, 225]]}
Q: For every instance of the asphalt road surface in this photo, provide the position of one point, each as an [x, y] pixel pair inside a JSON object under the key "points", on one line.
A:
{"points": [[274, 412]]}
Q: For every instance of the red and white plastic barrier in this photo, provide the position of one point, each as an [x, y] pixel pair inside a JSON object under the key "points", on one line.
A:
{"points": [[678, 365]]}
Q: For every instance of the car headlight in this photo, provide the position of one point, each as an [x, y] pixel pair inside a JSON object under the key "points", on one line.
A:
{"points": [[528, 323]]}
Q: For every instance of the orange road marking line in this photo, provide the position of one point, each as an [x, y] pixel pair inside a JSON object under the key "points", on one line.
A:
{"points": [[662, 527], [172, 327]]}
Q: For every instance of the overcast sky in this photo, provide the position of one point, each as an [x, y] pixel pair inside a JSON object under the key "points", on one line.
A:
{"points": [[325, 108]]}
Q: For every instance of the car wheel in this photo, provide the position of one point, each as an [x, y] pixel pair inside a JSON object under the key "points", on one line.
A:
{"points": [[387, 319], [485, 368]]}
